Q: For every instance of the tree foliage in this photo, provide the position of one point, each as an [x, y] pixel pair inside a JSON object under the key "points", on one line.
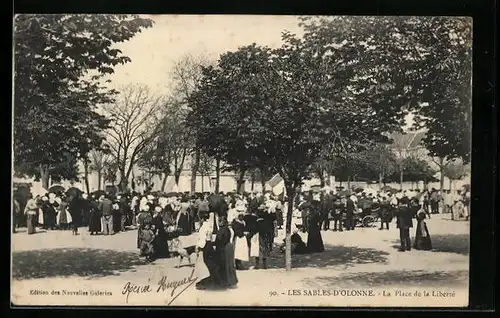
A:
{"points": [[455, 170], [420, 63], [60, 62], [416, 170]]}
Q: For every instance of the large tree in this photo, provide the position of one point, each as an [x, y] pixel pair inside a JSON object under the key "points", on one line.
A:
{"points": [[455, 171], [225, 103], [445, 78], [99, 160], [60, 61], [134, 125], [420, 63], [186, 74], [416, 169], [281, 107]]}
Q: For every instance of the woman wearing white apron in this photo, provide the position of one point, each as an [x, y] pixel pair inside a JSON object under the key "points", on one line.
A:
{"points": [[241, 253], [250, 219]]}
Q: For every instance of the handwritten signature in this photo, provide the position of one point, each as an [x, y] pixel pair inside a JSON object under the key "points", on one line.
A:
{"points": [[163, 285]]}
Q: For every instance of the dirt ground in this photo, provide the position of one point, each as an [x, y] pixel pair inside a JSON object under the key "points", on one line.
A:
{"points": [[366, 259]]}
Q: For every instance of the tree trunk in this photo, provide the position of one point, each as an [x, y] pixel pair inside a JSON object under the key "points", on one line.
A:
{"points": [[164, 181], [177, 176], [240, 183], [290, 192], [202, 182], [322, 180], [217, 175], [349, 184], [44, 176], [86, 175], [263, 174], [401, 174], [194, 170], [123, 180], [99, 179], [253, 182], [441, 172], [380, 179]]}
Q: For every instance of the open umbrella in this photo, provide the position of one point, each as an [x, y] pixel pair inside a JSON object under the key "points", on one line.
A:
{"points": [[74, 192], [358, 190], [98, 193], [57, 189]]}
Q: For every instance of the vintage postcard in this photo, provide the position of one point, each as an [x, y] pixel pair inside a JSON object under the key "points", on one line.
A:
{"points": [[241, 160]]}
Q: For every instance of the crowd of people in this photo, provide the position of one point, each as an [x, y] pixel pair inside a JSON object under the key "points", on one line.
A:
{"points": [[237, 231]]}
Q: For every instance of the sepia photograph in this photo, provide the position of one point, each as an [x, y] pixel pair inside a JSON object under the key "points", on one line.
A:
{"points": [[241, 160]]}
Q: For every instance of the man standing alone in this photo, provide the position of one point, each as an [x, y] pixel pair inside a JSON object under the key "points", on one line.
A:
{"points": [[105, 207], [404, 223]]}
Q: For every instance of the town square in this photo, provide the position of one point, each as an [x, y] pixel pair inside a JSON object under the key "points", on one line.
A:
{"points": [[164, 160]]}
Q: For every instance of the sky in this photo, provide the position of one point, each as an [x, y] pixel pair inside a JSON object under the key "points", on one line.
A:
{"points": [[154, 51]]}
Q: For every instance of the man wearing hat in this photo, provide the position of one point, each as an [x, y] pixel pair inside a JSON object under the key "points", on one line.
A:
{"points": [[106, 209], [404, 223], [123, 209], [326, 209]]}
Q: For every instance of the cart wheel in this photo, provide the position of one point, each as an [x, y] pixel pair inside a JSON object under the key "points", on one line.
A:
{"points": [[368, 221]]}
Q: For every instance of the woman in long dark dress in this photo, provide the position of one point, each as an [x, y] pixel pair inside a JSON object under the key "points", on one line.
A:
{"points": [[183, 218], [94, 217], [422, 236], [161, 240], [49, 214], [224, 249], [314, 240], [206, 242], [75, 209]]}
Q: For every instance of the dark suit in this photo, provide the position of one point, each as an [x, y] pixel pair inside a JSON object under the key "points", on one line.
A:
{"points": [[404, 223], [350, 207], [385, 214], [326, 208], [338, 210]]}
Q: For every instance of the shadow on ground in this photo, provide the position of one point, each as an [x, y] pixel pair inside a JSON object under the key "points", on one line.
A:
{"points": [[332, 256], [414, 278], [449, 243], [69, 262]]}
